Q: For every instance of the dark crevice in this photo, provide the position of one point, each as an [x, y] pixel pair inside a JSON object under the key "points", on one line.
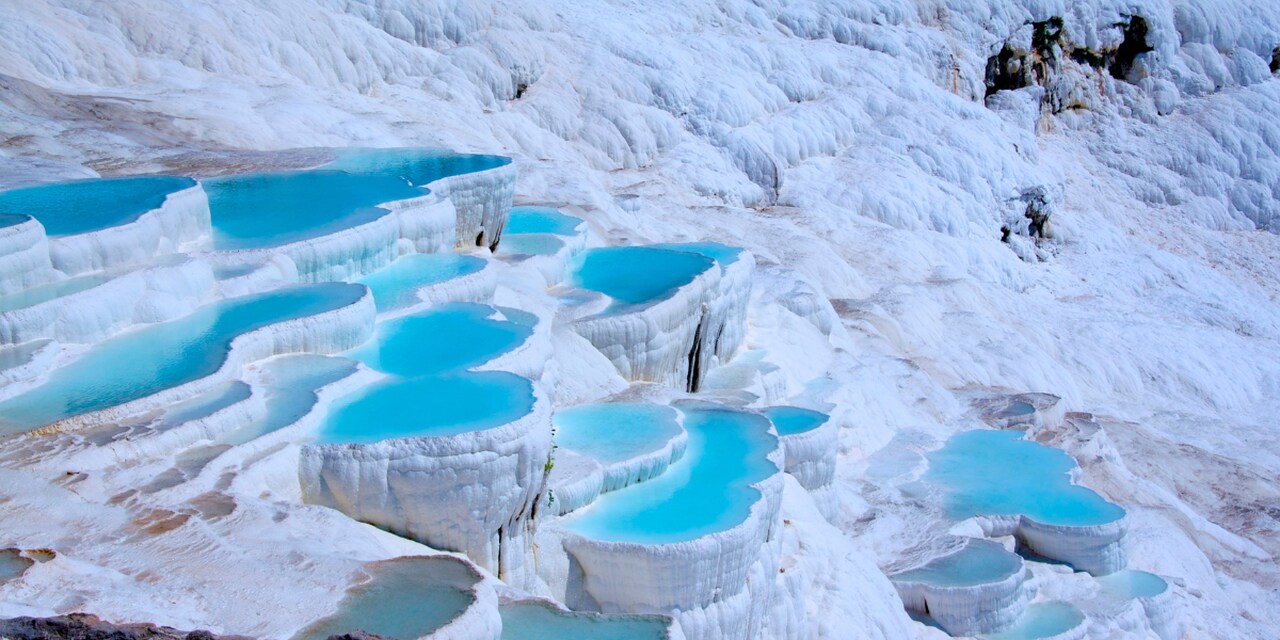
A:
{"points": [[1275, 60], [1133, 45], [480, 239], [695, 357]]}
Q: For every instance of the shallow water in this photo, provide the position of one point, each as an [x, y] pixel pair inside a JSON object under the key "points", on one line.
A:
{"points": [[259, 210], [51, 291], [429, 406], [406, 599], [414, 165], [530, 244], [706, 491], [396, 285], [442, 339], [978, 562], [533, 621], [155, 357], [1043, 620], [723, 254], [12, 564], [790, 420], [291, 391], [985, 472], [636, 275], [526, 219], [1132, 583], [81, 206], [615, 432]]}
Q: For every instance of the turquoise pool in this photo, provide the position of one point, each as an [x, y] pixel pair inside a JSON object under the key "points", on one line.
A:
{"points": [[534, 621], [706, 491], [397, 285], [293, 382], [414, 165], [140, 363], [723, 254], [81, 206], [530, 244], [1131, 583], [406, 599], [429, 406], [260, 210], [636, 275], [615, 432], [51, 291], [984, 472], [1044, 620], [978, 562], [447, 338], [790, 420], [526, 219]]}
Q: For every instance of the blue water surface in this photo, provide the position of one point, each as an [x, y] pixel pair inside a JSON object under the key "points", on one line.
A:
{"points": [[81, 206], [706, 491]]}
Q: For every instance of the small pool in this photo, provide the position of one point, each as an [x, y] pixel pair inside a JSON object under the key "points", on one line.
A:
{"points": [[790, 420], [527, 219], [1130, 583], [530, 244], [985, 472], [13, 565], [723, 254], [615, 432], [203, 405], [978, 562], [51, 291], [636, 275], [429, 406], [397, 285], [448, 338], [405, 599], [1044, 620], [706, 491], [292, 384], [261, 210], [538, 621], [81, 206], [145, 361]]}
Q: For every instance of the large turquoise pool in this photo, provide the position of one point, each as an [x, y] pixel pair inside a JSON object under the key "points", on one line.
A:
{"points": [[406, 599], [536, 621], [790, 420], [615, 432], [429, 406], [442, 339], [636, 275], [723, 254], [984, 472], [977, 562], [81, 206], [414, 165], [157, 357], [397, 285], [706, 491]]}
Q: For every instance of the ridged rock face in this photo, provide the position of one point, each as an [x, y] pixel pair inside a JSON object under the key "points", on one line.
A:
{"points": [[24, 254], [976, 589], [476, 493], [482, 200]]}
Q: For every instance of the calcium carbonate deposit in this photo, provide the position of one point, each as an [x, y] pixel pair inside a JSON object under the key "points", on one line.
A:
{"points": [[731, 319]]}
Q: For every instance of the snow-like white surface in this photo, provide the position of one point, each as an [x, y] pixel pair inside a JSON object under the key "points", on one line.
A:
{"points": [[848, 147]]}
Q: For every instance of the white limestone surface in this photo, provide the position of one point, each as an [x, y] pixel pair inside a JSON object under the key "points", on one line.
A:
{"points": [[24, 256], [969, 608]]}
